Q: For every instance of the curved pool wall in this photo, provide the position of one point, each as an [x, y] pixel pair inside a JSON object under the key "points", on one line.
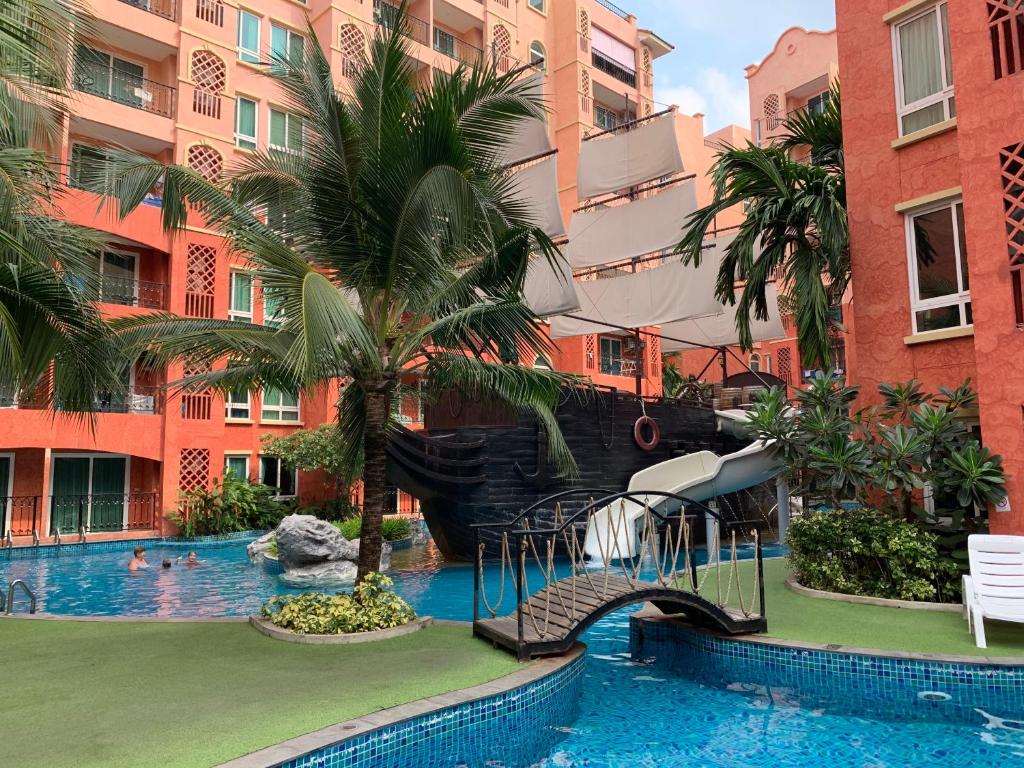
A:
{"points": [[517, 727], [864, 684], [127, 545]]}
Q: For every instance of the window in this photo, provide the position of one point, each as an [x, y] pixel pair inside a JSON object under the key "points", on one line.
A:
{"points": [[89, 169], [279, 406], [939, 288], [538, 55], [245, 123], [604, 118], [818, 104], [273, 312], [611, 356], [101, 74], [248, 37], [924, 70], [541, 363], [285, 45], [236, 405], [236, 466], [278, 475], [240, 308], [755, 363], [538, 5], [444, 42], [286, 131]]}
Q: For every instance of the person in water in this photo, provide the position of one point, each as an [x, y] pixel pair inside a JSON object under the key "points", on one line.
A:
{"points": [[191, 561], [138, 562], [167, 563]]}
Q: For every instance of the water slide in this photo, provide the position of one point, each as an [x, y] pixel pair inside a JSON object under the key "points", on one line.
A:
{"points": [[612, 532]]}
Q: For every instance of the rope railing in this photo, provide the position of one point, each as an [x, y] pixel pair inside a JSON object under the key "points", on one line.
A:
{"points": [[660, 554]]}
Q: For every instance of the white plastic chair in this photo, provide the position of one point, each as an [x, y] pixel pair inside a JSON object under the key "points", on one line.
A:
{"points": [[995, 588]]}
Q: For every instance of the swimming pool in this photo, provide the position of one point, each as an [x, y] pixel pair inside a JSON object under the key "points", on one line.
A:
{"points": [[648, 712]]}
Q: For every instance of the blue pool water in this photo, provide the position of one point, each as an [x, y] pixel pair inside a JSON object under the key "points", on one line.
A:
{"points": [[632, 713]]}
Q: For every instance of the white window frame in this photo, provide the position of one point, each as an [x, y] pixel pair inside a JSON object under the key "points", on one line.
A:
{"points": [[234, 314], [236, 405], [249, 55], [541, 50], [241, 140], [287, 130], [8, 492], [611, 340], [273, 320], [541, 6], [92, 457], [959, 299], [946, 95], [235, 457], [280, 463], [289, 34], [280, 410]]}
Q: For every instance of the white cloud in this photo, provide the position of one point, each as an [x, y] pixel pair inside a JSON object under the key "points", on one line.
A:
{"points": [[721, 98]]}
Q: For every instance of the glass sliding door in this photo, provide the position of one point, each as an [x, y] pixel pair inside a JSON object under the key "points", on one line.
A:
{"points": [[89, 491], [108, 491], [69, 500], [5, 493]]}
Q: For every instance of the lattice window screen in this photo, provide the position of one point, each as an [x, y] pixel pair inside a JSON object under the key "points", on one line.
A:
{"points": [[591, 361], [200, 273], [209, 77], [654, 346], [194, 469], [785, 361], [584, 30], [352, 43], [502, 47], [196, 404], [1006, 29], [1011, 166], [206, 161], [586, 103]]}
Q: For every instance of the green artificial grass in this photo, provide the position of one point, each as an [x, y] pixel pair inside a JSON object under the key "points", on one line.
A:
{"points": [[795, 617], [138, 694]]}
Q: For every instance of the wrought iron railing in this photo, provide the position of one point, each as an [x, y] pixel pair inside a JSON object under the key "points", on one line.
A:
{"points": [[616, 70], [125, 88], [21, 515], [140, 399], [129, 292], [386, 15], [455, 48], [103, 512], [168, 9], [613, 8]]}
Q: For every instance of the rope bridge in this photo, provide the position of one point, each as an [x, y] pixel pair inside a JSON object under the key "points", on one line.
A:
{"points": [[558, 593]]}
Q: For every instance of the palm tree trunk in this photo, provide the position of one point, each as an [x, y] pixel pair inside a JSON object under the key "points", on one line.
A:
{"points": [[374, 481]]}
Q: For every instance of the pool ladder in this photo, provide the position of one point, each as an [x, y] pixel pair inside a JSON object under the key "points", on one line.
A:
{"points": [[7, 604]]}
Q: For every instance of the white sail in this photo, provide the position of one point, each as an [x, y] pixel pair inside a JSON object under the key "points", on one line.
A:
{"points": [[617, 161], [720, 330], [613, 233], [655, 296], [537, 186], [530, 137], [550, 289]]}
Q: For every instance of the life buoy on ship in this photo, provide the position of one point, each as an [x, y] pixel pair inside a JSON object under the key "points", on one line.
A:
{"points": [[647, 443]]}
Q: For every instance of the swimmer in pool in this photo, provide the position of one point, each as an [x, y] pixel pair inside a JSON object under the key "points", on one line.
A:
{"points": [[191, 561], [138, 562]]}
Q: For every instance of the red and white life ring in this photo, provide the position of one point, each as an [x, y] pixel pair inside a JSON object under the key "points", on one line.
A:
{"points": [[647, 443]]}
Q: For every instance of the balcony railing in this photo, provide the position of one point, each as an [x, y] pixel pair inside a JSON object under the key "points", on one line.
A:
{"points": [[454, 48], [166, 8], [95, 513], [131, 293], [386, 15], [139, 400], [619, 72], [613, 8], [125, 88]]}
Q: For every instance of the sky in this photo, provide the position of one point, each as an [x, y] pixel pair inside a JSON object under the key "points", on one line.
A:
{"points": [[714, 40]]}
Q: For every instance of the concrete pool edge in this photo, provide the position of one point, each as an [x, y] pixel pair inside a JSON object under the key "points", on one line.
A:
{"points": [[533, 675]]}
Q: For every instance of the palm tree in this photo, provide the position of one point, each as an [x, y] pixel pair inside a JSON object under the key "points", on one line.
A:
{"points": [[53, 342], [393, 245], [795, 227]]}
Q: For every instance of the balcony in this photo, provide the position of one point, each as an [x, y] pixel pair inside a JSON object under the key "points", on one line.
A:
{"points": [[142, 400], [128, 292], [385, 15], [613, 8], [455, 48], [166, 9], [113, 84], [609, 67]]}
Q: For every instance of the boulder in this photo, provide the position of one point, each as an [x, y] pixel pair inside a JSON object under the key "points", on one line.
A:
{"points": [[329, 574], [385, 553], [304, 540], [261, 545], [420, 533]]}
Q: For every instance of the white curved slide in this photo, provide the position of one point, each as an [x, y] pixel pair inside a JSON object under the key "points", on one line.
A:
{"points": [[612, 532]]}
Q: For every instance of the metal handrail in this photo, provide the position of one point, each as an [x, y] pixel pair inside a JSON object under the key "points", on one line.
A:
{"points": [[25, 588], [164, 8], [112, 84], [613, 8], [609, 66]]}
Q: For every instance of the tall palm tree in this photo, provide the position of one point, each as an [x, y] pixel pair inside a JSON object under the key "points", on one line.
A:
{"points": [[394, 244], [795, 227], [47, 323]]}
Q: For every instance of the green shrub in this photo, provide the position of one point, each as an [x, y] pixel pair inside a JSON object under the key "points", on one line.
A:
{"points": [[371, 606], [862, 552], [230, 505], [395, 528], [332, 509]]}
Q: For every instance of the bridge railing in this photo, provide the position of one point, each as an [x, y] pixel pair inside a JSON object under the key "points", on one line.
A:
{"points": [[664, 558]]}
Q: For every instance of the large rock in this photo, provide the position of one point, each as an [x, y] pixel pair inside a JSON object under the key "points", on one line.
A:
{"points": [[304, 540], [261, 545], [385, 553], [329, 574], [420, 533]]}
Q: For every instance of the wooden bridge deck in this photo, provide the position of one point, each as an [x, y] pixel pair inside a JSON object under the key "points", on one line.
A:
{"points": [[559, 616]]}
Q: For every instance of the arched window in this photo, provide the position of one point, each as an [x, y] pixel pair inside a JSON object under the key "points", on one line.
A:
{"points": [[755, 362], [538, 56], [352, 42], [206, 161], [539, 5], [543, 364]]}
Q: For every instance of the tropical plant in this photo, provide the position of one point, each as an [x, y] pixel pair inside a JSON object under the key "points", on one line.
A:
{"points": [[230, 505], [393, 528], [394, 245], [312, 450], [372, 606], [795, 228], [54, 346]]}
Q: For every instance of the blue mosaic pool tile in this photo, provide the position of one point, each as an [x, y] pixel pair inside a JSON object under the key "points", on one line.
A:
{"points": [[862, 685], [126, 545], [517, 727]]}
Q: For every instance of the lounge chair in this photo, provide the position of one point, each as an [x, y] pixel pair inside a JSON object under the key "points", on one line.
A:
{"points": [[995, 588]]}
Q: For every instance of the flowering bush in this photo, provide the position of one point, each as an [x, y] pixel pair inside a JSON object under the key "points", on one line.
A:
{"points": [[371, 606]]}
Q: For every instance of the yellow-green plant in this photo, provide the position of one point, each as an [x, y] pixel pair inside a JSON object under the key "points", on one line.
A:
{"points": [[371, 606]]}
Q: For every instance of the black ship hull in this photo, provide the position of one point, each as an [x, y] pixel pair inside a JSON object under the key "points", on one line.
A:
{"points": [[477, 464]]}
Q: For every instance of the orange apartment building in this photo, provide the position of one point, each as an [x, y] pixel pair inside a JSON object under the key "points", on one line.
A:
{"points": [[934, 128], [795, 75], [180, 81]]}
